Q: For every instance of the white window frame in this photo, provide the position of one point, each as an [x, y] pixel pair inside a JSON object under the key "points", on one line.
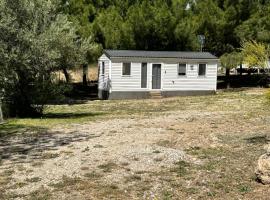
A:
{"points": [[125, 75], [178, 65], [199, 69], [102, 68]]}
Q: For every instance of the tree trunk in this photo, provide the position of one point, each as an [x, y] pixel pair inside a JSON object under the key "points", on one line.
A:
{"points": [[85, 73], [66, 75], [228, 78], [1, 114], [241, 69]]}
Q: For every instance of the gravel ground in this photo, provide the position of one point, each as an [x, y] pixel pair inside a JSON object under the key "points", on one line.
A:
{"points": [[65, 151], [114, 150]]}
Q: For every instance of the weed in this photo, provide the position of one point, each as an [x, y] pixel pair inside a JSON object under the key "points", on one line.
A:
{"points": [[33, 180], [167, 195], [132, 178], [180, 168], [37, 164], [244, 189], [93, 175], [50, 155], [107, 167], [98, 146]]}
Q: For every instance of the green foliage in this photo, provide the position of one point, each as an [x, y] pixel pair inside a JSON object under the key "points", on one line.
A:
{"points": [[35, 41], [257, 27], [255, 54], [231, 60], [171, 24]]}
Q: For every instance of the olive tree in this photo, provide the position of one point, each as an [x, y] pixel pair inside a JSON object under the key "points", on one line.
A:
{"points": [[230, 61], [34, 43]]}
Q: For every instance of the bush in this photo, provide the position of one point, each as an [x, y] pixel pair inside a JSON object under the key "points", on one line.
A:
{"points": [[30, 100]]}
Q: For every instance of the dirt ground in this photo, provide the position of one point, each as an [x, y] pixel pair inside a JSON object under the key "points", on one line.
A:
{"points": [[176, 148]]}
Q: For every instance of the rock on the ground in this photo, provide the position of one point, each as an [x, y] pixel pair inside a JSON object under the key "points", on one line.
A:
{"points": [[263, 169]]}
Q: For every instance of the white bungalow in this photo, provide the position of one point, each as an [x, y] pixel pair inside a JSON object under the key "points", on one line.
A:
{"points": [[125, 74]]}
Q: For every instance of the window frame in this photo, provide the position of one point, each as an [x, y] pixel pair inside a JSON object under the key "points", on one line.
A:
{"points": [[126, 75], [178, 67], [205, 72], [146, 64], [102, 68]]}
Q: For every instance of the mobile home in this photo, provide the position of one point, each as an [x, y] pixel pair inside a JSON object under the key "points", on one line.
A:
{"points": [[128, 74]]}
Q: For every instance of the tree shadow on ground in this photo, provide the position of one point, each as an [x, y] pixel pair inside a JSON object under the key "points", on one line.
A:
{"points": [[258, 139], [71, 115], [26, 144]]}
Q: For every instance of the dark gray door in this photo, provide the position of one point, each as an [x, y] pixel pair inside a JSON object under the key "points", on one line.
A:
{"points": [[156, 76], [144, 75]]}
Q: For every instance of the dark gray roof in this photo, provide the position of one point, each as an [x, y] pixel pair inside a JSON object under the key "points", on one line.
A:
{"points": [[158, 54]]}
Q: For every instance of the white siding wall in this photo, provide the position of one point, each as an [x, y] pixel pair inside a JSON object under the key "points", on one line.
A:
{"points": [[170, 80], [103, 79], [128, 83]]}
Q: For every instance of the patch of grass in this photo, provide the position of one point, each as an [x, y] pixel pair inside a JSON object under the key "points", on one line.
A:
{"points": [[37, 164], [98, 146], [49, 155], [259, 139], [140, 172], [40, 194], [108, 167], [86, 149], [33, 179], [113, 186], [156, 151], [167, 195], [124, 164], [66, 152], [66, 182], [93, 175], [192, 190], [135, 158], [244, 189], [181, 168], [84, 168], [18, 185], [132, 178], [21, 168], [158, 159], [8, 172], [164, 143], [211, 194]]}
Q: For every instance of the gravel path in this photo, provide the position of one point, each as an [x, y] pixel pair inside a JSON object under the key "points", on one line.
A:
{"points": [[129, 146]]}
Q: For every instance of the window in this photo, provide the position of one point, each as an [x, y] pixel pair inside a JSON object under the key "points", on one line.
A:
{"points": [[103, 68], [126, 69], [182, 69], [202, 69], [144, 75]]}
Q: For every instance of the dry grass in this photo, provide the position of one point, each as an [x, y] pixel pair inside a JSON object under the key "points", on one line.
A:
{"points": [[76, 74], [222, 136]]}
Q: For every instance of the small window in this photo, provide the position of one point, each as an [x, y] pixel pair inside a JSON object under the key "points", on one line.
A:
{"points": [[103, 68], [182, 69], [202, 69], [126, 69]]}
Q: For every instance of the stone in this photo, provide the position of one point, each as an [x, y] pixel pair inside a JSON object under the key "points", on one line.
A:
{"points": [[263, 169]]}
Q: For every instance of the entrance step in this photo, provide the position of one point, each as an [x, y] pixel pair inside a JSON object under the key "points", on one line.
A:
{"points": [[155, 95]]}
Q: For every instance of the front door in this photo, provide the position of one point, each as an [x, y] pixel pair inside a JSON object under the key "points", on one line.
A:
{"points": [[156, 76]]}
